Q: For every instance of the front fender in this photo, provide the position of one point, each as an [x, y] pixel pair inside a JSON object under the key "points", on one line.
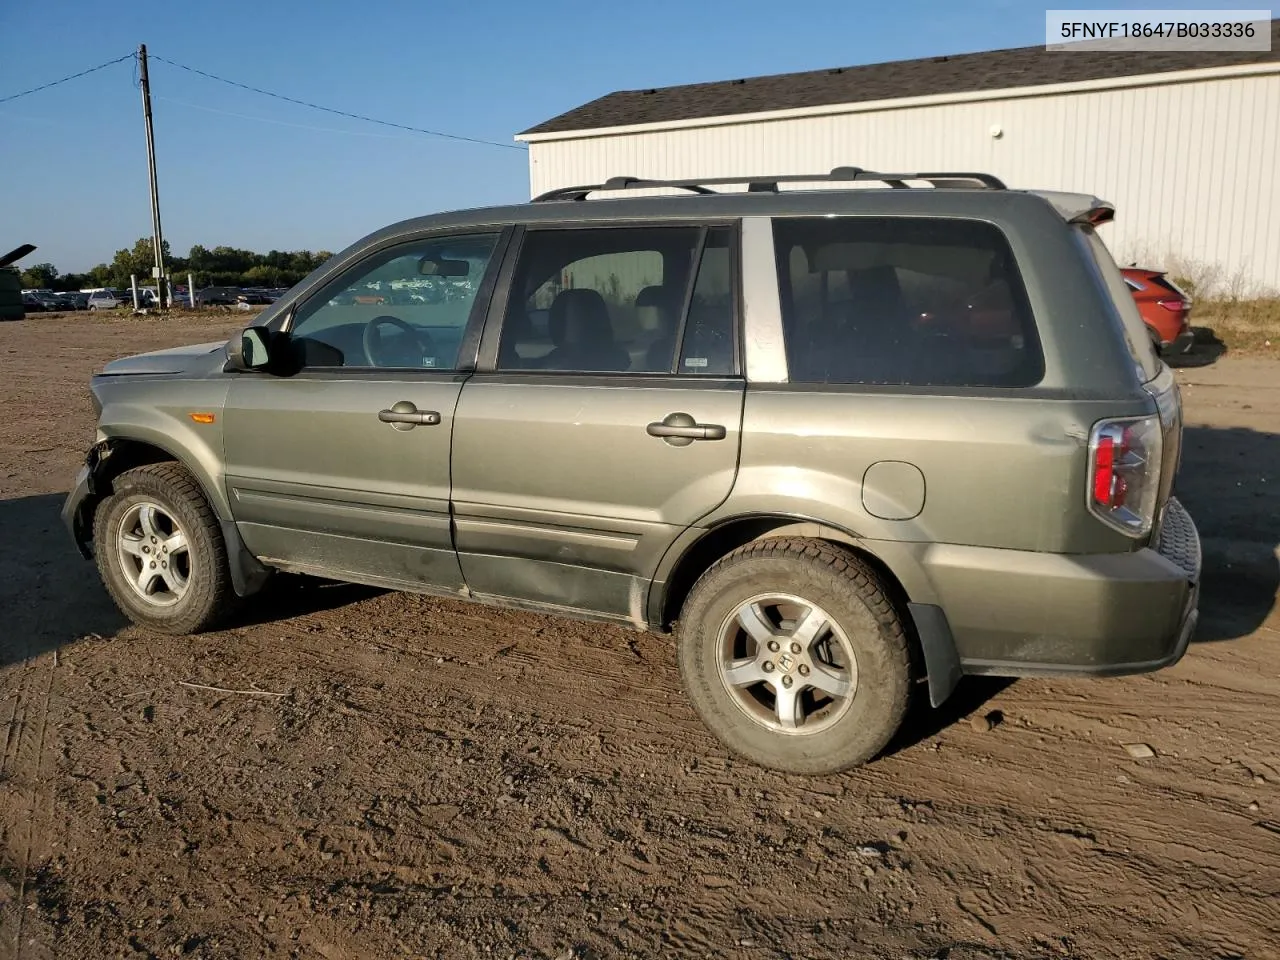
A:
{"points": [[145, 412], [141, 412]]}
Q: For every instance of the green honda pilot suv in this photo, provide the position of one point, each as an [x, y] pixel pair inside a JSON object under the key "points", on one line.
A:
{"points": [[842, 434]]}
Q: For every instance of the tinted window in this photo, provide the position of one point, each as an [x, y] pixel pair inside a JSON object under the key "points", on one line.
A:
{"points": [[403, 307], [1135, 331], [598, 301], [707, 346], [903, 301]]}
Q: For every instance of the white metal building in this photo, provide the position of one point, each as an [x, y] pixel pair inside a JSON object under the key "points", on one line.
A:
{"points": [[1186, 144]]}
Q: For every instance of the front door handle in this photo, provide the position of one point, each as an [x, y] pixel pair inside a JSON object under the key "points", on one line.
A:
{"points": [[403, 415], [680, 430]]}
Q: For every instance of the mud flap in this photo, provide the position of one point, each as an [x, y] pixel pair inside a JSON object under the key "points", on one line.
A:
{"points": [[248, 576], [939, 647]]}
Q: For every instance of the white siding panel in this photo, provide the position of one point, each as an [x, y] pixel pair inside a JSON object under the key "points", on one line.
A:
{"points": [[1191, 167]]}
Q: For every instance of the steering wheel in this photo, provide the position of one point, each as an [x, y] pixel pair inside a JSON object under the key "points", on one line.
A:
{"points": [[373, 340]]}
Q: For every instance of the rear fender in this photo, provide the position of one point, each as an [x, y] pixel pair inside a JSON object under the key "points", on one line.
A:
{"points": [[698, 548]]}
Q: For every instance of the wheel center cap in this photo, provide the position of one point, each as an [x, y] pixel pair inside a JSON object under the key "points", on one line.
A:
{"points": [[786, 662]]}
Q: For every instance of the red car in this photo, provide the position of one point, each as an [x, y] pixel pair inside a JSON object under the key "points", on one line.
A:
{"points": [[1165, 309]]}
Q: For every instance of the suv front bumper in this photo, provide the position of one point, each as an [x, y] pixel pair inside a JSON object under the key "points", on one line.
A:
{"points": [[73, 516], [1015, 613]]}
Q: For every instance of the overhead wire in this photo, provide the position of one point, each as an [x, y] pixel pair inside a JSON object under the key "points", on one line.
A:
{"points": [[74, 76], [281, 123], [268, 93], [336, 112]]}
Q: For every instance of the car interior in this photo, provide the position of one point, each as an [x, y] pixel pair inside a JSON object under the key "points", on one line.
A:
{"points": [[611, 302], [410, 311], [906, 313]]}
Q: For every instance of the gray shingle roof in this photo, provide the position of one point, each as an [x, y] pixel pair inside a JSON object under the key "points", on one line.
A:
{"points": [[993, 70]]}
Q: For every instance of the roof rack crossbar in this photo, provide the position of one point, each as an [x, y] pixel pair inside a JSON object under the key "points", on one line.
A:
{"points": [[769, 184]]}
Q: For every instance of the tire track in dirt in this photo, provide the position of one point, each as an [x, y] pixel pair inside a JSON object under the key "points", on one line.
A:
{"points": [[24, 775]]}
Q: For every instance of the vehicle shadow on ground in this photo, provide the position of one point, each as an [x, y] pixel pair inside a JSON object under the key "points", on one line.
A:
{"points": [[291, 595], [1230, 483], [1204, 353], [51, 596], [969, 699]]}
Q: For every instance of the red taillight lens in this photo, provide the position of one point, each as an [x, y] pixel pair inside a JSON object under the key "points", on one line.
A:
{"points": [[1173, 306], [1124, 472], [1104, 462]]}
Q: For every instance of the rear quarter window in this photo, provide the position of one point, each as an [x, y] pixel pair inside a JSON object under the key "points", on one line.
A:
{"points": [[904, 301], [1136, 337]]}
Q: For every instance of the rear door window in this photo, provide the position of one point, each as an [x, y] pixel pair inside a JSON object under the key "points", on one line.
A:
{"points": [[904, 301], [614, 300]]}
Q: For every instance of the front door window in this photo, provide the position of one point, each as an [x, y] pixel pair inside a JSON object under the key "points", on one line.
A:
{"points": [[405, 308]]}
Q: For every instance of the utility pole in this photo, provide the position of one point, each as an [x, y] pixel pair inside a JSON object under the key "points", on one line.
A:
{"points": [[157, 238]]}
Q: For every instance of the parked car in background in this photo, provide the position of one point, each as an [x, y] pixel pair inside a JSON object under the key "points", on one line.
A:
{"points": [[1165, 309], [74, 300], [217, 296], [104, 300], [252, 298], [39, 302], [50, 299]]}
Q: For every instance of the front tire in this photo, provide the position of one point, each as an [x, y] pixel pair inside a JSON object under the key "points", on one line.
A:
{"points": [[160, 552], [794, 656]]}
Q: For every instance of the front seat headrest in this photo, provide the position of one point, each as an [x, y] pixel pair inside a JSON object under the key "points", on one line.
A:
{"points": [[579, 316]]}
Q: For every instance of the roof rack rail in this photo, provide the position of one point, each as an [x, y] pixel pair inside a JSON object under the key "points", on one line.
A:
{"points": [[769, 184]]}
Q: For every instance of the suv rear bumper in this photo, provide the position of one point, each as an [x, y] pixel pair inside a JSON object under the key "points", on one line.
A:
{"points": [[1015, 613]]}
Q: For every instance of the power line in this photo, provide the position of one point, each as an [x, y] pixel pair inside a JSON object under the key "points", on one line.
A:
{"points": [[340, 113], [74, 76], [282, 123]]}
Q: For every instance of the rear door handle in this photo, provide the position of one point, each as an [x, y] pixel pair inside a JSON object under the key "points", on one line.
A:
{"points": [[680, 430], [403, 415]]}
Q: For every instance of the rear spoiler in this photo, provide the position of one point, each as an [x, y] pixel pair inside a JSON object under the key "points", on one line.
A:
{"points": [[1078, 207]]}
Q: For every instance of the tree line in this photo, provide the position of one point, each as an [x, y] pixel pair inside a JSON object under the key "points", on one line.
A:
{"points": [[219, 267]]}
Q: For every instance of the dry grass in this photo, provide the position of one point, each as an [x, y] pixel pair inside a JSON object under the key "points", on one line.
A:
{"points": [[1244, 326]]}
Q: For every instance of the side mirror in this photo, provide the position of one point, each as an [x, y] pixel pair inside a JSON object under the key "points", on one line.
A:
{"points": [[251, 350]]}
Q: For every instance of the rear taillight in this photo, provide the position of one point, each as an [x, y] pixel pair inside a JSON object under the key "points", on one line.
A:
{"points": [[1173, 306], [1124, 472]]}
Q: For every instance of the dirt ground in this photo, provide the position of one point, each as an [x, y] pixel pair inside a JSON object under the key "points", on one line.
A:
{"points": [[419, 777]]}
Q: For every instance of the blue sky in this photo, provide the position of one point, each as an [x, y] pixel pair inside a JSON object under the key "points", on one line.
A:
{"points": [[243, 170]]}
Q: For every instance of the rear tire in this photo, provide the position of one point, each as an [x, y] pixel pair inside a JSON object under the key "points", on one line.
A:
{"points": [[160, 552], [775, 686]]}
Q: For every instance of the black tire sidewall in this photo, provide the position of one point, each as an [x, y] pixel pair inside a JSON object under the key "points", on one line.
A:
{"points": [[204, 545], [883, 668]]}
